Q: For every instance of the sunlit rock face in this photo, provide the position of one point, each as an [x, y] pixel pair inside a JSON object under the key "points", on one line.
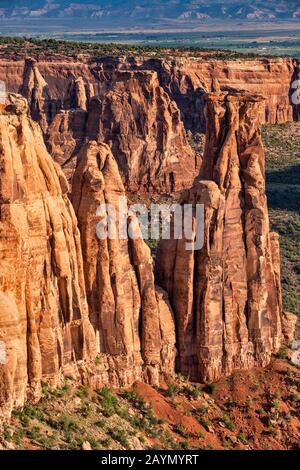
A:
{"points": [[132, 321], [226, 296], [130, 112], [44, 321], [141, 107], [71, 303]]}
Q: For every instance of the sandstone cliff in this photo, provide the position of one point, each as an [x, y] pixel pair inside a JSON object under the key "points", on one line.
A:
{"points": [[97, 316], [36, 91], [137, 119], [44, 323], [133, 323], [72, 100], [129, 111], [226, 296], [188, 80], [185, 80], [70, 301]]}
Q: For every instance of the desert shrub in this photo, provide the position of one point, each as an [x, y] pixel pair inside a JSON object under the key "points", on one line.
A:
{"points": [[204, 422], [211, 388], [109, 402], [135, 399], [83, 392], [173, 390], [242, 438], [228, 423], [119, 435], [192, 392], [282, 353], [181, 430]]}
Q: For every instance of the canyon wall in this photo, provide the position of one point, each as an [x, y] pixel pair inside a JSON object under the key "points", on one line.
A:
{"points": [[127, 314], [128, 110], [44, 323], [185, 80], [74, 302], [226, 295], [122, 330], [188, 80], [142, 126]]}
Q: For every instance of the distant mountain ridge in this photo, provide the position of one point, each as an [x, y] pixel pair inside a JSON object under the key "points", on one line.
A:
{"points": [[154, 13]]}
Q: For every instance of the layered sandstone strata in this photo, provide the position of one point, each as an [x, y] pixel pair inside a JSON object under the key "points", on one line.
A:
{"points": [[140, 123], [130, 112], [132, 321], [71, 304], [184, 79], [188, 80], [60, 94], [226, 296], [36, 91], [44, 325], [142, 126]]}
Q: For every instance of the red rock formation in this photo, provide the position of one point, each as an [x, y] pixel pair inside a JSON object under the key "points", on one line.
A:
{"points": [[44, 323], [226, 296], [142, 126], [185, 81], [48, 325], [127, 314], [64, 138], [35, 89]]}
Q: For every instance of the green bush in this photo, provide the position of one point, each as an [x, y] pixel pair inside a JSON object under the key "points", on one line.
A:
{"points": [[181, 430], [119, 435], [109, 402], [83, 392], [211, 388], [173, 390], [228, 423]]}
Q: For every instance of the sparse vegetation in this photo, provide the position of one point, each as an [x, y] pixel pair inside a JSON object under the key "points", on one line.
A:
{"points": [[120, 435], [35, 47], [109, 402], [282, 353], [173, 390], [205, 423], [181, 430], [283, 189], [242, 438], [211, 388], [192, 392], [83, 392], [109, 420], [228, 423]]}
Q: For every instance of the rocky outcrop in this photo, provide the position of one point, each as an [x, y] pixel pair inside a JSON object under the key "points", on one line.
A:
{"points": [[142, 126], [188, 80], [137, 119], [226, 296], [96, 316], [35, 89], [44, 325], [140, 123], [62, 91], [65, 136], [132, 322]]}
